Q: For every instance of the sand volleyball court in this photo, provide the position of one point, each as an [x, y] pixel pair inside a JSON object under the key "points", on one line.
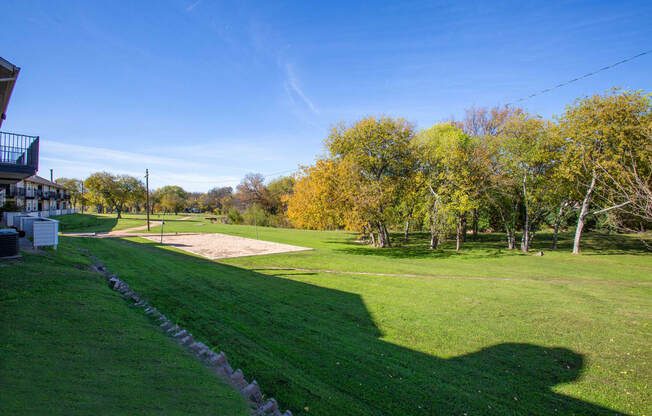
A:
{"points": [[220, 246]]}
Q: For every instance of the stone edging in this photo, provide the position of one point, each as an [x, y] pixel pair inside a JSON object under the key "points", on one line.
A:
{"points": [[216, 362]]}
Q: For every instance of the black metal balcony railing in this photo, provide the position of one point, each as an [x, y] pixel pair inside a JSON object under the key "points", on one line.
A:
{"points": [[15, 192], [19, 149]]}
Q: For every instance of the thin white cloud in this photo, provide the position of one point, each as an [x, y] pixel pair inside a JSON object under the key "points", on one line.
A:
{"points": [[68, 167], [293, 88], [193, 5], [92, 153], [195, 167]]}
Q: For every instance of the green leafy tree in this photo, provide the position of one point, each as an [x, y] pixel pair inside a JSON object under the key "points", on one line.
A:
{"points": [[114, 191], [278, 191], [603, 133], [74, 186], [378, 148], [455, 166], [171, 198], [529, 153]]}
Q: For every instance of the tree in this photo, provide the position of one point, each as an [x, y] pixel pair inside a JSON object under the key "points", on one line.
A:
{"points": [[172, 202], [212, 200], [378, 149], [602, 133], [321, 197], [74, 186], [114, 191], [455, 166], [252, 190], [278, 190], [481, 122], [172, 198], [628, 187], [137, 194], [529, 153]]}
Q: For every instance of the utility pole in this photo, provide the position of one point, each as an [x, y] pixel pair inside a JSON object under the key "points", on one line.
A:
{"points": [[255, 221], [147, 203], [82, 197], [50, 201]]}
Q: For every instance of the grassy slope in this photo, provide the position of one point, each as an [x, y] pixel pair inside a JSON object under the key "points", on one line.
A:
{"points": [[70, 346], [370, 345], [91, 223]]}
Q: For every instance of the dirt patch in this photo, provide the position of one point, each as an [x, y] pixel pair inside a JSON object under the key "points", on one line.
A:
{"points": [[220, 246]]}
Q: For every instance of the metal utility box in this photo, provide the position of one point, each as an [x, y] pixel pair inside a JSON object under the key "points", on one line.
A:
{"points": [[27, 225], [45, 232], [8, 243]]}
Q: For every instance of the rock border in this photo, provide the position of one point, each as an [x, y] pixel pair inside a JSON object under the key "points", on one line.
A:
{"points": [[216, 362]]}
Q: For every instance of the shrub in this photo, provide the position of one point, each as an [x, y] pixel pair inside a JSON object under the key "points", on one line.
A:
{"points": [[234, 216], [256, 215]]}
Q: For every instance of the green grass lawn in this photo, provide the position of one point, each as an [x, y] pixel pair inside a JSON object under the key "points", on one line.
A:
{"points": [[98, 223], [605, 257], [484, 331], [70, 346]]}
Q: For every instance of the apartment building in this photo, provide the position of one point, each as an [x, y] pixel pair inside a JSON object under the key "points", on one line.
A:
{"points": [[37, 194]]}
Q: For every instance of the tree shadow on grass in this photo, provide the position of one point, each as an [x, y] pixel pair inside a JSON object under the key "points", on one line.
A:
{"points": [[494, 245], [318, 350]]}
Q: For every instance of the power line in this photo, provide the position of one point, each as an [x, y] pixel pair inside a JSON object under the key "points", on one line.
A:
{"points": [[563, 84]]}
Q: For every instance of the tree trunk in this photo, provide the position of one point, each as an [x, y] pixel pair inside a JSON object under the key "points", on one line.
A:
{"points": [[509, 232], [383, 237], [407, 230], [583, 212], [475, 224], [526, 227], [433, 235], [464, 228], [511, 239], [372, 237], [530, 239], [388, 243], [555, 234], [380, 242], [458, 234]]}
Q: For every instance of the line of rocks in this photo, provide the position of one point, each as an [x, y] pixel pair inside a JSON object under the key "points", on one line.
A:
{"points": [[216, 362]]}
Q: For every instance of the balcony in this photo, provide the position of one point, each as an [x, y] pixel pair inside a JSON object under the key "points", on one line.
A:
{"points": [[18, 157], [15, 191]]}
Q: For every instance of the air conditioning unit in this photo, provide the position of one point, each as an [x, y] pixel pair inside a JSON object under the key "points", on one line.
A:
{"points": [[8, 243]]}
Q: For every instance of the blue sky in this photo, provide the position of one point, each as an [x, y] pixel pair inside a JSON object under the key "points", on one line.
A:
{"points": [[202, 92]]}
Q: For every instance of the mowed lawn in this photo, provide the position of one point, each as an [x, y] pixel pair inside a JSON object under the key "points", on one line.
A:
{"points": [[100, 223], [484, 331], [605, 257], [71, 346]]}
